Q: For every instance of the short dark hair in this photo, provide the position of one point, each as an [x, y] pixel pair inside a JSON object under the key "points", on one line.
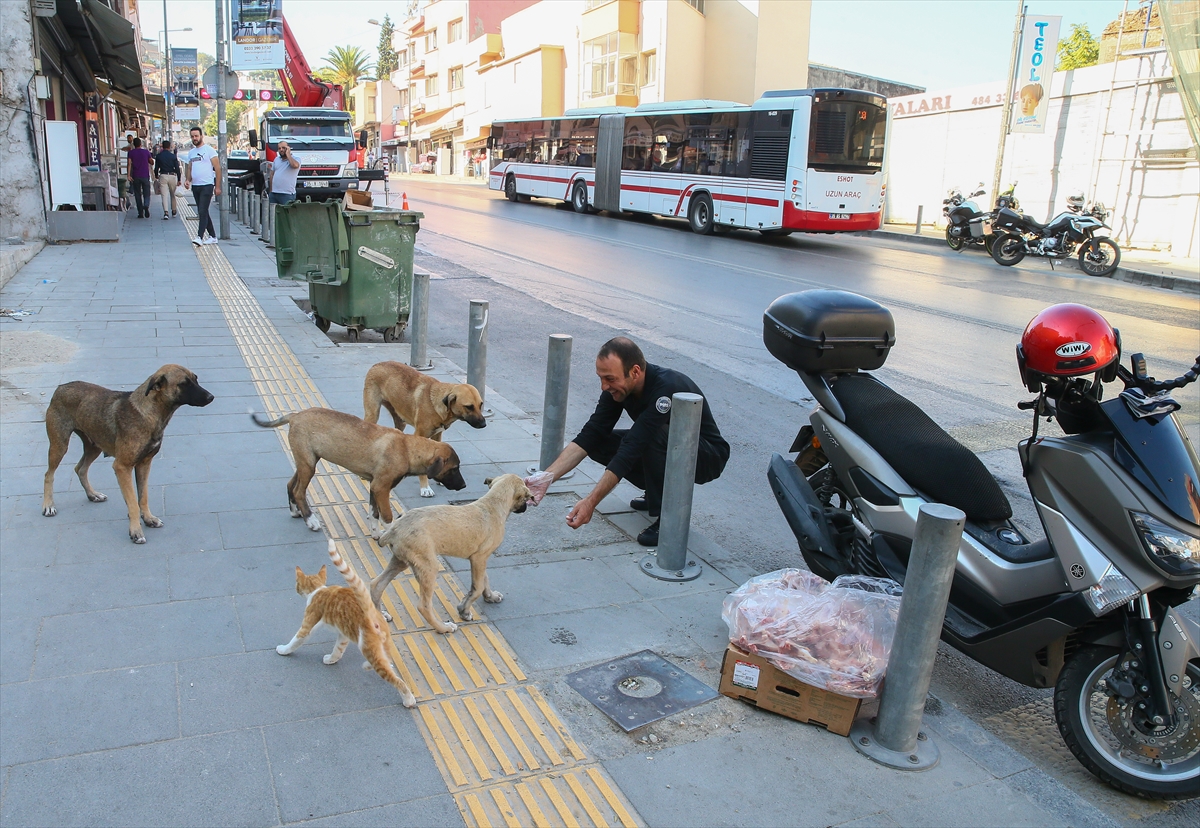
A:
{"points": [[624, 349], [166, 144], [137, 142], [195, 129]]}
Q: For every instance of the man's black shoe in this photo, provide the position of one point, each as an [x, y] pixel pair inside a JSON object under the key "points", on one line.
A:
{"points": [[649, 535], [639, 503]]}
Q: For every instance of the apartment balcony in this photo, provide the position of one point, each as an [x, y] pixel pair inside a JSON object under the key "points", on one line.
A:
{"points": [[488, 48], [417, 69], [613, 16]]}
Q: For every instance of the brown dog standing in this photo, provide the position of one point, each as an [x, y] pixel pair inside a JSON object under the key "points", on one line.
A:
{"points": [[429, 406], [126, 425], [473, 531], [380, 455]]}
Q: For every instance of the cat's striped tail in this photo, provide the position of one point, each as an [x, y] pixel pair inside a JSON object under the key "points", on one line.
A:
{"points": [[348, 573]]}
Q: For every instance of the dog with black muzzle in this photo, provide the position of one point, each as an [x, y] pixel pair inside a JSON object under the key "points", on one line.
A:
{"points": [[125, 425], [472, 531]]}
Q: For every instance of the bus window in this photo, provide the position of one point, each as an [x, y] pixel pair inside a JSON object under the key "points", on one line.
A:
{"points": [[846, 136], [669, 143], [635, 154], [583, 137]]}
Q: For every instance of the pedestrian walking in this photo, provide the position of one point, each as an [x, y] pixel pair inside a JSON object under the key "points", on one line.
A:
{"points": [[284, 170], [202, 175], [630, 385], [166, 169], [139, 177]]}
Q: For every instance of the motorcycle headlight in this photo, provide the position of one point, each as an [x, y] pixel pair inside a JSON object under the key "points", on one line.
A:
{"points": [[1112, 590], [1170, 549], [350, 170]]}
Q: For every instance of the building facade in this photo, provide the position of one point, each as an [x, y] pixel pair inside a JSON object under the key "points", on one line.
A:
{"points": [[466, 63]]}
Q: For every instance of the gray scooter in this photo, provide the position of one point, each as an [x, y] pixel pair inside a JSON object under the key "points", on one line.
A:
{"points": [[1091, 609]]}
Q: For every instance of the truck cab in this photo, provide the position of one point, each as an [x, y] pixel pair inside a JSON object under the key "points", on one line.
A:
{"points": [[324, 142]]}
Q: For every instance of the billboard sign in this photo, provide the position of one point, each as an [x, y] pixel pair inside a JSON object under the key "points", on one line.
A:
{"points": [[185, 70], [1039, 47], [257, 35]]}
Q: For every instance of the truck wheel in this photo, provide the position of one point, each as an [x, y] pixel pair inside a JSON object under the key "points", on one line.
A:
{"points": [[510, 187], [700, 214], [322, 323]]}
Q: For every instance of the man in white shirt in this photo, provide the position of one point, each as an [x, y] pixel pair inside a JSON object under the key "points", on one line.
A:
{"points": [[202, 175], [284, 170]]}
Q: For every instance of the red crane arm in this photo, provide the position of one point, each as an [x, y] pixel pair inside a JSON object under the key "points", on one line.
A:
{"points": [[299, 86]]}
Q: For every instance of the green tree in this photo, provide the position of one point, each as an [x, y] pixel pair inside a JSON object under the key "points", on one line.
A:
{"points": [[1078, 50], [234, 110], [349, 64], [388, 62], [325, 74]]}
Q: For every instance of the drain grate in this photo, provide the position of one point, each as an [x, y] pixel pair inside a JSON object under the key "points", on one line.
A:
{"points": [[638, 689]]}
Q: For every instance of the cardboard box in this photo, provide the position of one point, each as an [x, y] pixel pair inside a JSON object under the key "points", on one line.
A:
{"points": [[753, 679], [357, 200]]}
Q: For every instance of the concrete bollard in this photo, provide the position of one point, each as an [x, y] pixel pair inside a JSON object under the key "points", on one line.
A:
{"points": [[554, 408], [672, 563], [255, 213], [268, 222], [920, 214], [418, 323], [241, 205], [477, 347], [894, 738]]}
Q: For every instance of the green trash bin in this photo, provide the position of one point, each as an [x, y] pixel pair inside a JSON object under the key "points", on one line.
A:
{"points": [[358, 263]]}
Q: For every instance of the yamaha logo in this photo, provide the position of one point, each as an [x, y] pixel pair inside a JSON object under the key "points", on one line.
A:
{"points": [[1073, 349], [1077, 571]]}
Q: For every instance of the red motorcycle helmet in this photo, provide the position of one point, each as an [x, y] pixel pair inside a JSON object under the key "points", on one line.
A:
{"points": [[1066, 341]]}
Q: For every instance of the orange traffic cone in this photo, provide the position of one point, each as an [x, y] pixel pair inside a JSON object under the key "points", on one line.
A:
{"points": [[404, 204]]}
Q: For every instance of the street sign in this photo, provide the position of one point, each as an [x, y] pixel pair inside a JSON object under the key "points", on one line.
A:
{"points": [[210, 82]]}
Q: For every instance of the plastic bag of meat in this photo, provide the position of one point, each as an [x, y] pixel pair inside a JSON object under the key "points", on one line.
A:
{"points": [[836, 636], [537, 484]]}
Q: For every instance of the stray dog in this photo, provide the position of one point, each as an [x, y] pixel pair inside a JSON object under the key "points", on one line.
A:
{"points": [[429, 406], [382, 456], [125, 425], [473, 531]]}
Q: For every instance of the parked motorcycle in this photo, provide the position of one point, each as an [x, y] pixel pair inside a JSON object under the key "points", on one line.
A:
{"points": [[1090, 609], [966, 224], [1019, 235]]}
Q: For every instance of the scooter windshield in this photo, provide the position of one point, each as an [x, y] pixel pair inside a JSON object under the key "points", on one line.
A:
{"points": [[1157, 452]]}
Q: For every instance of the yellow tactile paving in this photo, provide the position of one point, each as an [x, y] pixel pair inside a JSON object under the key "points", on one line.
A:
{"points": [[501, 748]]}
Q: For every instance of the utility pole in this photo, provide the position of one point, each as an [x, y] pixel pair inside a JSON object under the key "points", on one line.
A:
{"points": [[169, 84], [223, 198], [1006, 110]]}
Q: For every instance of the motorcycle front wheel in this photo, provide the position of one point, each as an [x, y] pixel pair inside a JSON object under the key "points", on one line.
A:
{"points": [[1099, 257], [1109, 739], [954, 242], [1008, 249]]}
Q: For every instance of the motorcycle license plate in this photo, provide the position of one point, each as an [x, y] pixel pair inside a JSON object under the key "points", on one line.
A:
{"points": [[839, 215]]}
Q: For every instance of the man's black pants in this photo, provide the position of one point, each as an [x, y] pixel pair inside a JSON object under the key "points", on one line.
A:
{"points": [[648, 474], [203, 194], [141, 195]]}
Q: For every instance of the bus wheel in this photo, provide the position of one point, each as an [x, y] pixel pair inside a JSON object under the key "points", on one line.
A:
{"points": [[510, 188], [700, 214], [579, 198]]}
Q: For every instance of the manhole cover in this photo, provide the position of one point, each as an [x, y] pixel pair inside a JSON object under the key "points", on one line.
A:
{"points": [[638, 689]]}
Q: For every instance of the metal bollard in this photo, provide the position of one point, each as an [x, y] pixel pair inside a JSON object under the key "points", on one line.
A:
{"points": [[268, 222], [477, 349], [671, 563], [894, 738], [554, 409], [418, 323], [241, 205], [920, 213], [253, 211]]}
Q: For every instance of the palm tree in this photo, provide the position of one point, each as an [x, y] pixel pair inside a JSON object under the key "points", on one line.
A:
{"points": [[348, 64]]}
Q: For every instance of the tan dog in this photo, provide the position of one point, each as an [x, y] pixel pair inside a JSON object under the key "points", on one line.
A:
{"points": [[429, 406], [125, 425], [473, 531], [382, 456]]}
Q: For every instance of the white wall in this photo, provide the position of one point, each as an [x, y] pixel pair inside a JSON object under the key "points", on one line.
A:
{"points": [[1153, 204]]}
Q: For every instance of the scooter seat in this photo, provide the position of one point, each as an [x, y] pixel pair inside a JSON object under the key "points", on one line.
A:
{"points": [[920, 451]]}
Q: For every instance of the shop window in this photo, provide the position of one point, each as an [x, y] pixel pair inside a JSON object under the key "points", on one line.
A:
{"points": [[456, 77], [454, 31]]}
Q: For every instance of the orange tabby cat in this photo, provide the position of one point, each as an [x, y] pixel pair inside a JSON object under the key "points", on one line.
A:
{"points": [[351, 612]]}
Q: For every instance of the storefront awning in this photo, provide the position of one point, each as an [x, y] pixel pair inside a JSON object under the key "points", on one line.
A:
{"points": [[108, 42], [479, 140]]}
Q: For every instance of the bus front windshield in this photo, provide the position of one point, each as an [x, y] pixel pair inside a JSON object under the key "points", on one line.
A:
{"points": [[846, 136]]}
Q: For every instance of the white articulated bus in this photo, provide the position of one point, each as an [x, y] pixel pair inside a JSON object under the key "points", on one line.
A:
{"points": [[808, 160]]}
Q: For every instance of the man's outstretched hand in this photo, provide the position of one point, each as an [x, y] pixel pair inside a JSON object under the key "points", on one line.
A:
{"points": [[580, 514], [538, 484]]}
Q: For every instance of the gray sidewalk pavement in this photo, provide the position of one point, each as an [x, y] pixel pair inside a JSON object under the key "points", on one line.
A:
{"points": [[138, 684]]}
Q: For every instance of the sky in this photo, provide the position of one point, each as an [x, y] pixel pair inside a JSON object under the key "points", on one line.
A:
{"points": [[938, 44]]}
